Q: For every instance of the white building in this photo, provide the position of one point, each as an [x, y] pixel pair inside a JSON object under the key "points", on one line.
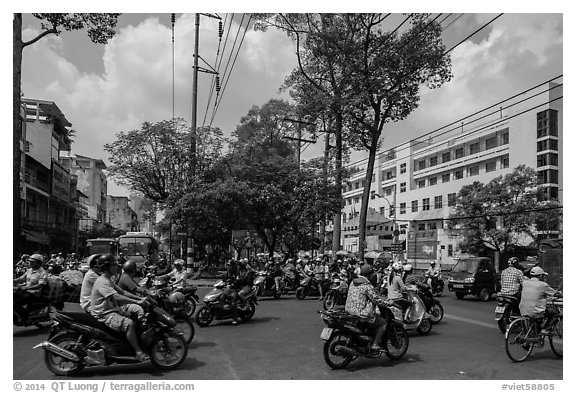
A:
{"points": [[416, 183]]}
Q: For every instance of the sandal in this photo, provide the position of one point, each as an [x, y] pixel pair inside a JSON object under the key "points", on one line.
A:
{"points": [[142, 357]]}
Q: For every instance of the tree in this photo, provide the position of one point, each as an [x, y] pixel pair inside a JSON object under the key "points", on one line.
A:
{"points": [[509, 210], [100, 29], [368, 76]]}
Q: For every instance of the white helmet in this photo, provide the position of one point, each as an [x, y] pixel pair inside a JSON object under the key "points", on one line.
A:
{"points": [[407, 267], [397, 266]]}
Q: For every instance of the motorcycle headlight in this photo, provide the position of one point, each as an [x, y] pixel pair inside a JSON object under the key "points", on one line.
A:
{"points": [[211, 298], [469, 279]]}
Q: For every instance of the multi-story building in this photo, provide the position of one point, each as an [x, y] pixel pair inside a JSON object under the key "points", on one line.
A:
{"points": [[415, 184], [120, 215], [92, 182], [47, 189]]}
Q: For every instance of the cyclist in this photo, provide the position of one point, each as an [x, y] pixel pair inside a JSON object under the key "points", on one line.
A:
{"points": [[535, 292]]}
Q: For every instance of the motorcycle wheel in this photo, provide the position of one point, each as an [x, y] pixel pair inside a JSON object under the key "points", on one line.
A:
{"points": [[168, 352], [504, 321], [517, 347], [59, 365], [332, 357], [436, 313], [189, 308], [439, 291], [425, 326], [300, 293], [556, 338], [204, 316], [247, 315], [185, 326], [484, 295], [396, 342], [330, 300]]}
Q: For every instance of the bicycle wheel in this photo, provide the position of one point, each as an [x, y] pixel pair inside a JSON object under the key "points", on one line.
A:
{"points": [[517, 346], [556, 334]]}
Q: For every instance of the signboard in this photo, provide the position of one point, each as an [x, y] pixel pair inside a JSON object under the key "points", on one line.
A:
{"points": [[422, 245]]}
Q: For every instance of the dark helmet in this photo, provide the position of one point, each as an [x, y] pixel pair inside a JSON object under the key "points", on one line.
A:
{"points": [[513, 261], [106, 261], [92, 260], [176, 298], [36, 258], [366, 270], [129, 266]]}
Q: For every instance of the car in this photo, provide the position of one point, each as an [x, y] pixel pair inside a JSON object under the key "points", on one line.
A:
{"points": [[473, 276]]}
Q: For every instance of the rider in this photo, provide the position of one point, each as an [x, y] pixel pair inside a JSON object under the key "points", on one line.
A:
{"points": [[320, 276], [104, 306], [88, 282], [535, 292], [432, 274], [34, 281], [362, 297], [178, 275], [127, 282], [512, 279], [276, 273], [396, 287]]}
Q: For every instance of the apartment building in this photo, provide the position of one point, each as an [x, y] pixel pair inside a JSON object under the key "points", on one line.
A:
{"points": [[120, 215], [415, 184]]}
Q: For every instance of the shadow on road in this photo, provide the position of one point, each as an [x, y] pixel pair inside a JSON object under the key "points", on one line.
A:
{"points": [[383, 362], [130, 369], [32, 331], [201, 344]]}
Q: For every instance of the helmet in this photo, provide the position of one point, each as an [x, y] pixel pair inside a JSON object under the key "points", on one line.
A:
{"points": [[25, 257], [176, 297], [537, 271], [105, 261], [290, 260], [366, 270], [513, 261], [179, 262], [432, 263], [244, 262], [397, 266], [129, 266], [92, 259], [407, 267], [36, 258]]}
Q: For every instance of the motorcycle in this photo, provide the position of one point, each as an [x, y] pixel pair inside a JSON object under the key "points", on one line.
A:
{"points": [[337, 294], [289, 282], [433, 306], [266, 285], [216, 305], [437, 286], [507, 309], [78, 340], [414, 317], [347, 338], [37, 312], [309, 287], [150, 281]]}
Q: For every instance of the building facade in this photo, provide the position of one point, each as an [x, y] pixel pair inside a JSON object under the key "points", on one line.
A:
{"points": [[120, 215], [415, 184]]}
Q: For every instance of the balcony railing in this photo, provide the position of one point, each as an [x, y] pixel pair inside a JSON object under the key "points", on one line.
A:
{"points": [[37, 182]]}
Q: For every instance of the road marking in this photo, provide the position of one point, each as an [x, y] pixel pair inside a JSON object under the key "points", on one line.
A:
{"points": [[472, 321]]}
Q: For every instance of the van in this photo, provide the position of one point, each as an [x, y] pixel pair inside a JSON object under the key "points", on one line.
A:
{"points": [[473, 276]]}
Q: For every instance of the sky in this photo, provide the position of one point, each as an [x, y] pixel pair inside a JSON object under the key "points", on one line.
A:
{"points": [[105, 89]]}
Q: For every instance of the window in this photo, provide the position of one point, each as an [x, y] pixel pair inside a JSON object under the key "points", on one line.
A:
{"points": [[450, 250], [491, 166], [392, 211], [372, 194], [403, 168], [505, 138], [458, 174], [459, 152], [445, 177], [390, 175], [426, 204], [388, 191], [421, 183], [452, 199], [438, 202], [445, 157], [491, 143], [402, 187], [547, 159], [414, 206], [403, 208], [422, 227], [433, 181], [475, 148], [357, 185], [382, 210], [356, 199], [474, 170], [433, 161], [422, 165], [504, 161], [432, 226], [547, 123], [547, 144]]}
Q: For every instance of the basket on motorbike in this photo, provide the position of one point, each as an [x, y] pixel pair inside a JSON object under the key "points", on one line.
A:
{"points": [[54, 289]]}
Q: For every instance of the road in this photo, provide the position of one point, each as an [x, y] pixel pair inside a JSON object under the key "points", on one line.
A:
{"points": [[283, 342]]}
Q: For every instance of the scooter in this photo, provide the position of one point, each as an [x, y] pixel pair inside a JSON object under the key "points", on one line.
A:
{"points": [[337, 294], [37, 312], [507, 309], [309, 287], [216, 305], [414, 317], [433, 306], [437, 286], [266, 285], [78, 340], [150, 281]]}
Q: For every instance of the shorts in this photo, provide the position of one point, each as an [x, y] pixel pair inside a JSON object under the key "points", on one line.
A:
{"points": [[120, 321]]}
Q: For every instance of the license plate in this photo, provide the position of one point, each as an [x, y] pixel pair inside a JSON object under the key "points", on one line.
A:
{"points": [[458, 286], [499, 309], [326, 332]]}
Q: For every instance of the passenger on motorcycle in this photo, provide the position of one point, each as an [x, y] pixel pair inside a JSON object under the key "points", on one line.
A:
{"points": [[127, 281], [396, 287], [535, 293], [432, 274], [105, 305], [30, 284], [241, 285], [178, 275], [88, 282], [361, 301], [512, 279]]}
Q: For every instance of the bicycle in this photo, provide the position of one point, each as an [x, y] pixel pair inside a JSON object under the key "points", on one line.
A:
{"points": [[525, 333]]}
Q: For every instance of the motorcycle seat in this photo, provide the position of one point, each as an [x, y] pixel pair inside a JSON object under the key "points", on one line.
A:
{"points": [[89, 320], [507, 298]]}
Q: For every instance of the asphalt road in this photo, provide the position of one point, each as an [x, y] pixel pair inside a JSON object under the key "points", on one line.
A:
{"points": [[283, 342]]}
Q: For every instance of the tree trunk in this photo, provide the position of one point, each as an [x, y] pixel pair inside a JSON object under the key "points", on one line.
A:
{"points": [[338, 180], [16, 135], [365, 199]]}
